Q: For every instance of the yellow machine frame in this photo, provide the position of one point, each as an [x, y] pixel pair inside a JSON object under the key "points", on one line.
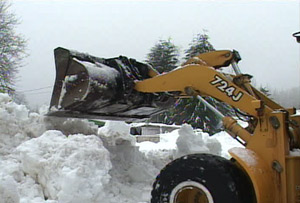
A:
{"points": [[268, 141]]}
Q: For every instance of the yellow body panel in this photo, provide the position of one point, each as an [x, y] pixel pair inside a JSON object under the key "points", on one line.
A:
{"points": [[258, 171], [270, 153]]}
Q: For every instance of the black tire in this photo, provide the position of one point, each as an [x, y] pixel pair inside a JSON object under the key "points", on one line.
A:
{"points": [[214, 178]]}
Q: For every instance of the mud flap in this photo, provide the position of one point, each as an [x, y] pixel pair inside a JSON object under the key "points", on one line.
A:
{"points": [[92, 87]]}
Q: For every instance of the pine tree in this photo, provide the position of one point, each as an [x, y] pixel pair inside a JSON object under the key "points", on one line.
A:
{"points": [[199, 45], [191, 110], [12, 47], [163, 56], [195, 113]]}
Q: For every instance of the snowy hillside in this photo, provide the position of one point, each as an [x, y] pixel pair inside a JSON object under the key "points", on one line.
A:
{"points": [[55, 160]]}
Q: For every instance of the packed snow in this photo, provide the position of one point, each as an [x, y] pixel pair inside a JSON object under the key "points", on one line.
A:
{"points": [[54, 160]]}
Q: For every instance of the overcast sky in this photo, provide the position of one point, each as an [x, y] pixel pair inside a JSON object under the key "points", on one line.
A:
{"points": [[260, 30]]}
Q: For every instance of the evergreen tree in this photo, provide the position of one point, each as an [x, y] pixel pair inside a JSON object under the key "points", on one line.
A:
{"points": [[195, 113], [12, 48], [191, 110], [199, 45], [163, 56]]}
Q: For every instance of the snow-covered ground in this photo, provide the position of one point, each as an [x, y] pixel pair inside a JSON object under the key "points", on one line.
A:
{"points": [[56, 160]]}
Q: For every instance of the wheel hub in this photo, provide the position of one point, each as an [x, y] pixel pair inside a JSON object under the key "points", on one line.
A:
{"points": [[190, 192]]}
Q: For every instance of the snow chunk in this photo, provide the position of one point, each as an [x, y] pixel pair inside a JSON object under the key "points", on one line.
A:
{"points": [[70, 126], [8, 190], [227, 142], [295, 152], [116, 133], [70, 169], [31, 192], [4, 98], [17, 124], [190, 143], [167, 142]]}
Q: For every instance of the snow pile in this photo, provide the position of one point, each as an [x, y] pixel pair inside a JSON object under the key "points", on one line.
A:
{"points": [[185, 141], [56, 160], [116, 133], [17, 124], [132, 172], [69, 169], [44, 165]]}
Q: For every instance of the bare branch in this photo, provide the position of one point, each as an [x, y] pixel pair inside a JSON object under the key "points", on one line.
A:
{"points": [[12, 48]]}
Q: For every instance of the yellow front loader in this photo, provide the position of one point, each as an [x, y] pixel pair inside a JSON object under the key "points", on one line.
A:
{"points": [[266, 170]]}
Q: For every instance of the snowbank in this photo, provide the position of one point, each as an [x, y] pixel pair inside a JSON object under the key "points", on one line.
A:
{"points": [[69, 169], [17, 124], [56, 160]]}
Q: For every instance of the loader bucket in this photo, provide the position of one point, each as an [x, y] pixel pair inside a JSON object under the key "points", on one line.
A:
{"points": [[92, 87]]}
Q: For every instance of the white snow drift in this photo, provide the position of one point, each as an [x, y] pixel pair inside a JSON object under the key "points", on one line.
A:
{"points": [[56, 160]]}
